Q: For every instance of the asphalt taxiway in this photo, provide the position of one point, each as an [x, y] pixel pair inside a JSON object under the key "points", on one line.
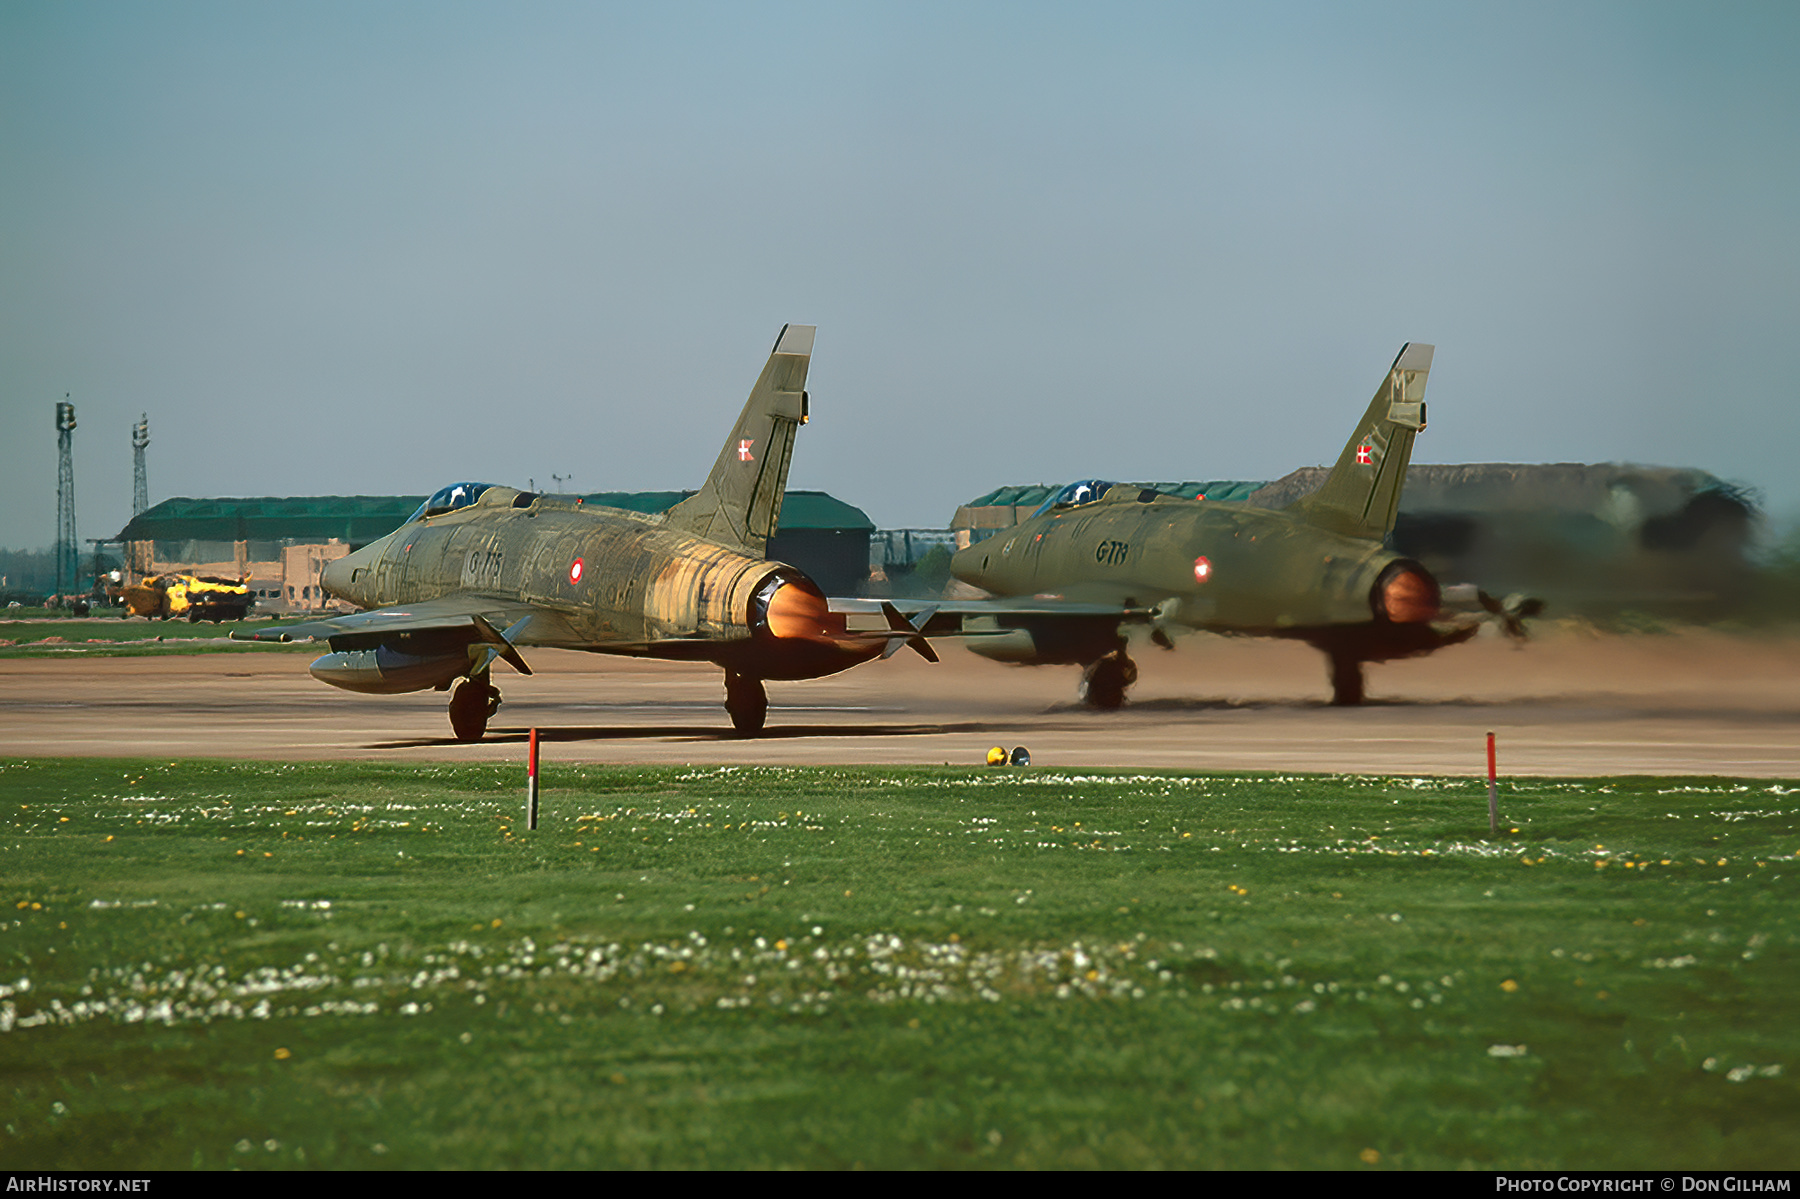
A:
{"points": [[1565, 704]]}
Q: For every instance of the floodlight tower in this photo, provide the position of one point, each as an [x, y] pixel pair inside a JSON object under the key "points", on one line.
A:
{"points": [[67, 550], [140, 482]]}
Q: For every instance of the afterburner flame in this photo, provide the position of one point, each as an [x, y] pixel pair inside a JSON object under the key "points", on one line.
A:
{"points": [[797, 612], [1409, 597]]}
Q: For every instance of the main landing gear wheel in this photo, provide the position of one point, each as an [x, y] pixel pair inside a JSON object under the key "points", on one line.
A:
{"points": [[1103, 684], [471, 704], [747, 703], [1346, 680]]}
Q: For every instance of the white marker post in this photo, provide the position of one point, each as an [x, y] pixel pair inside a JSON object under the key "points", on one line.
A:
{"points": [[531, 783], [1493, 805]]}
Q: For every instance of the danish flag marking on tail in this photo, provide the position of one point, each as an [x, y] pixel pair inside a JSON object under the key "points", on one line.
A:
{"points": [[1365, 455], [744, 454]]}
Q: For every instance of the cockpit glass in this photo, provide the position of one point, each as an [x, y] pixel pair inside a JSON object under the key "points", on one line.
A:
{"points": [[449, 499], [1084, 491]]}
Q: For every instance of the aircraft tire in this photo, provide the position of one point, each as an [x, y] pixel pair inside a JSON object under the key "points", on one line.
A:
{"points": [[1103, 684], [1346, 681], [471, 704], [746, 702]]}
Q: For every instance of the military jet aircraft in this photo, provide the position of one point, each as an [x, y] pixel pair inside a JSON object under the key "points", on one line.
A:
{"points": [[481, 571], [1099, 558]]}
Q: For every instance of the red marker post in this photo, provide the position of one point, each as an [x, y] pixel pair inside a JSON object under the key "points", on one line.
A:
{"points": [[531, 782], [1493, 805]]}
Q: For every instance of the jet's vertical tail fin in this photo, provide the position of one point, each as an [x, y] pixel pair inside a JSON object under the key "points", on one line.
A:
{"points": [[740, 504], [1361, 495]]}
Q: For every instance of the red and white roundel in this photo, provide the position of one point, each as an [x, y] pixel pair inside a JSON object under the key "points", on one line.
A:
{"points": [[1202, 569], [575, 571]]}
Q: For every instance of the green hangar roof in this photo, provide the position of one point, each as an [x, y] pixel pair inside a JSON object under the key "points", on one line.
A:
{"points": [[349, 518], [799, 509], [356, 519]]}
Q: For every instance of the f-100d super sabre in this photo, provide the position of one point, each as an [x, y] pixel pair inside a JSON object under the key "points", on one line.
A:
{"points": [[481, 571], [1099, 558]]}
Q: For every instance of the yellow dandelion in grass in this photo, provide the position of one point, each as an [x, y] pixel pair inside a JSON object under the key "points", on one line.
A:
{"points": [[782, 944], [677, 967], [1509, 986], [283, 1054], [1370, 1156], [109, 836], [1093, 976], [496, 923]]}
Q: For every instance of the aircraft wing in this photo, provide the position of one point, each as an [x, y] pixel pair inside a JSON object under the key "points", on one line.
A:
{"points": [[952, 617], [462, 611], [1022, 605]]}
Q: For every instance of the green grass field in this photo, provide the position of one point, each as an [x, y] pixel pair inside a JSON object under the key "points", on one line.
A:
{"points": [[254, 965], [118, 638]]}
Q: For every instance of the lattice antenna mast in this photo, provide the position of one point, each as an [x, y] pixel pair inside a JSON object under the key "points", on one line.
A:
{"points": [[67, 548], [140, 481]]}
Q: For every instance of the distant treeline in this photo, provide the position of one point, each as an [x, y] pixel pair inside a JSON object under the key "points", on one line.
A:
{"points": [[27, 574]]}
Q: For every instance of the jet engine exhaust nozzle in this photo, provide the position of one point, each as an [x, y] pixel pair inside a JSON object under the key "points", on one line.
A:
{"points": [[794, 610], [1407, 594]]}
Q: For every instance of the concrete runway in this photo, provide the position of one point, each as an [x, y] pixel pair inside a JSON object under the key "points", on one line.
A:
{"points": [[1565, 704]]}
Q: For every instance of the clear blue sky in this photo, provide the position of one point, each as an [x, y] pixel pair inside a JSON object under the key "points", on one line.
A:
{"points": [[375, 247]]}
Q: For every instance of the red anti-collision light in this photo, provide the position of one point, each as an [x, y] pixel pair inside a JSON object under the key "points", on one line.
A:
{"points": [[1202, 569], [575, 569]]}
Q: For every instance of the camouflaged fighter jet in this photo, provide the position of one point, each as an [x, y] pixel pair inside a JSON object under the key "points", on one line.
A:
{"points": [[1099, 558], [481, 571]]}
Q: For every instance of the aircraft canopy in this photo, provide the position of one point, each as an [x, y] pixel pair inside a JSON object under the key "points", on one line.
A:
{"points": [[449, 499], [1076, 494]]}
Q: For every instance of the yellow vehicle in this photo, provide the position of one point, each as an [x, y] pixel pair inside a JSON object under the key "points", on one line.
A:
{"points": [[198, 597]]}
